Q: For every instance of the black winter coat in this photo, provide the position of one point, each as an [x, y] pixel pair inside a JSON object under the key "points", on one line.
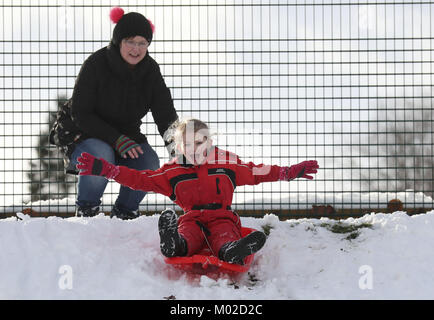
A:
{"points": [[110, 99]]}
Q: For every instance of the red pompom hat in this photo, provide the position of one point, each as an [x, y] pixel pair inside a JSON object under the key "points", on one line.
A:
{"points": [[130, 25]]}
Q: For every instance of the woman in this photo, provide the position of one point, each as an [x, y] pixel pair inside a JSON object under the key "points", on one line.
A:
{"points": [[201, 180], [116, 87]]}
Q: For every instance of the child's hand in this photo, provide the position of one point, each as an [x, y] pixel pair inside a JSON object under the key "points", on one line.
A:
{"points": [[301, 170], [90, 165]]}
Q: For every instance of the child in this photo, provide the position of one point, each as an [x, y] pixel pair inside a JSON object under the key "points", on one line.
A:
{"points": [[201, 180]]}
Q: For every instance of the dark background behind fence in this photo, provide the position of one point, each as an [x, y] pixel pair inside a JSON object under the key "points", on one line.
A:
{"points": [[348, 83]]}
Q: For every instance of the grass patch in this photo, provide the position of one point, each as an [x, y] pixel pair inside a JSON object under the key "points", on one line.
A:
{"points": [[343, 228], [352, 235], [266, 228]]}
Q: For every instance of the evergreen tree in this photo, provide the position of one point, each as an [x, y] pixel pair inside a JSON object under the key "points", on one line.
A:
{"points": [[47, 175], [403, 151]]}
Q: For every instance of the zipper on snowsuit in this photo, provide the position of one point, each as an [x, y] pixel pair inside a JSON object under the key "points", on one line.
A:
{"points": [[217, 181]]}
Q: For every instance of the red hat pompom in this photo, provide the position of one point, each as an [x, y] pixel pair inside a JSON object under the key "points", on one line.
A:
{"points": [[116, 14], [152, 25]]}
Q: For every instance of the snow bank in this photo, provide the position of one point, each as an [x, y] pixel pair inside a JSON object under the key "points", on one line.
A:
{"points": [[378, 256], [344, 200]]}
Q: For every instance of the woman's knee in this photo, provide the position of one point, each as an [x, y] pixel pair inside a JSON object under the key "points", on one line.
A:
{"points": [[147, 161], [152, 159], [97, 148]]}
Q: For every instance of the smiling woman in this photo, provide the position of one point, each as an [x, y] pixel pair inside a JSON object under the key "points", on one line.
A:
{"points": [[133, 34], [133, 50], [116, 87]]}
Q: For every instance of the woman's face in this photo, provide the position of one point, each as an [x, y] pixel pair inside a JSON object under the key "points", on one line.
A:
{"points": [[196, 147], [133, 50]]}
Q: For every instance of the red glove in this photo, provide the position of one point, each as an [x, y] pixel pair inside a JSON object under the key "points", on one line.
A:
{"points": [[300, 170], [90, 165]]}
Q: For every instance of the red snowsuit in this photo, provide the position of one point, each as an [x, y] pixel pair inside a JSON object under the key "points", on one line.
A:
{"points": [[204, 192]]}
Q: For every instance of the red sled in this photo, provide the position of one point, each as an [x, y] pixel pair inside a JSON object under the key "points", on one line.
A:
{"points": [[205, 262]]}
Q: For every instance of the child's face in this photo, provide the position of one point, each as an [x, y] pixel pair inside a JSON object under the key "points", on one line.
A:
{"points": [[196, 146]]}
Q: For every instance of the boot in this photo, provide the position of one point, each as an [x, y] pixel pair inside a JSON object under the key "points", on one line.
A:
{"points": [[124, 214], [236, 251], [171, 242], [86, 211]]}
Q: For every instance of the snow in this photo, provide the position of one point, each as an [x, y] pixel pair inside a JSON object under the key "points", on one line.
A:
{"points": [[389, 257], [299, 200]]}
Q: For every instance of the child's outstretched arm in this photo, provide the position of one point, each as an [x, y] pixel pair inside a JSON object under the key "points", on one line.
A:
{"points": [[251, 174], [300, 170], [92, 166], [145, 180]]}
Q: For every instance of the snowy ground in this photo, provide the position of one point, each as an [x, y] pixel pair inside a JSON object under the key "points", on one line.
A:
{"points": [[378, 256]]}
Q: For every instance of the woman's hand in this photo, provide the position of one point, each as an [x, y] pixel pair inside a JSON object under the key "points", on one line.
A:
{"points": [[134, 152], [127, 147]]}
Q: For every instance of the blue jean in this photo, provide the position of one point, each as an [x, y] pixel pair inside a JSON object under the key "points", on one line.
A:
{"points": [[90, 189]]}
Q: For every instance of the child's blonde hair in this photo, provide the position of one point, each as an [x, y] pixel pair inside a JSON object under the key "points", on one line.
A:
{"points": [[180, 128]]}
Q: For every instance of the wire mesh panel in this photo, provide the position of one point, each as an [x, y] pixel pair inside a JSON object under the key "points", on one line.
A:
{"points": [[348, 83]]}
